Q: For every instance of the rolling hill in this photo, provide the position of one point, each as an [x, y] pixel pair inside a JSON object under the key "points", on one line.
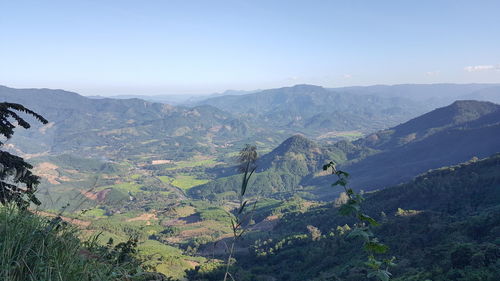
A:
{"points": [[141, 131], [314, 110], [445, 136], [167, 162], [279, 173], [121, 128]]}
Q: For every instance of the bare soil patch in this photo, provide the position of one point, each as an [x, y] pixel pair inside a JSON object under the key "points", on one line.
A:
{"points": [[77, 222], [97, 196], [192, 264], [160, 162], [144, 217], [267, 224], [191, 233], [49, 172]]}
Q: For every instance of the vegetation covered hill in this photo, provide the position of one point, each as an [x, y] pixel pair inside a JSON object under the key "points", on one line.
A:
{"points": [[448, 135], [315, 110], [165, 175], [279, 172], [443, 225], [120, 129]]}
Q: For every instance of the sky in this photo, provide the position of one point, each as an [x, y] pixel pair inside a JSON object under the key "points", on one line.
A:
{"points": [[153, 47]]}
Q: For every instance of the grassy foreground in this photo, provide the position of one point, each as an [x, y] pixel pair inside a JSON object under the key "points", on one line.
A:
{"points": [[38, 248]]}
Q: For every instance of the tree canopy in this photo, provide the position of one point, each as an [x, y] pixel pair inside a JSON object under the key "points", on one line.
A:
{"points": [[17, 182]]}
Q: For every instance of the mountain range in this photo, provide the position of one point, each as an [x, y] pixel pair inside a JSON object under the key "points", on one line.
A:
{"points": [[139, 130], [166, 174], [456, 133], [115, 128], [317, 111], [122, 127], [445, 136], [436, 94]]}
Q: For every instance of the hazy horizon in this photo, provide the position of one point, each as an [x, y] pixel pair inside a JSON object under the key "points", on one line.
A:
{"points": [[228, 91]]}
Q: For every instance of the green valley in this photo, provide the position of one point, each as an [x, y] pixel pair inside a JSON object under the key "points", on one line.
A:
{"points": [[165, 180], [253, 140]]}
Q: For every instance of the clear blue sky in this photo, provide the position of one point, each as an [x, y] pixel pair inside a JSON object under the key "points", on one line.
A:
{"points": [[169, 47]]}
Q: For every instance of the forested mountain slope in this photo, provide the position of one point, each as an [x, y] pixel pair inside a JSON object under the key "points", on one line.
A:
{"points": [[448, 135], [315, 110], [279, 172], [443, 225], [121, 128]]}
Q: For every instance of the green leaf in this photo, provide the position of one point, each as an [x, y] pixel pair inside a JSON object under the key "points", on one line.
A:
{"points": [[376, 247], [373, 263], [359, 232], [341, 182], [359, 197], [368, 219], [350, 208], [390, 262]]}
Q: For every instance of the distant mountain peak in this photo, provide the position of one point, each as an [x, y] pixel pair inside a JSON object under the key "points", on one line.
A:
{"points": [[458, 112], [297, 143], [303, 87], [471, 104], [297, 155]]}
